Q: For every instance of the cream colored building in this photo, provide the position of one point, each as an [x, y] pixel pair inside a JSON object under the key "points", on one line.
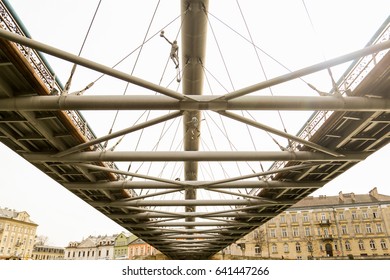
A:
{"points": [[91, 248], [45, 252], [343, 227], [17, 234]]}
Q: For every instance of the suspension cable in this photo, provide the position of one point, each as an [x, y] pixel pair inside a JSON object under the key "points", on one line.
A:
{"points": [[334, 84], [261, 65], [68, 83]]}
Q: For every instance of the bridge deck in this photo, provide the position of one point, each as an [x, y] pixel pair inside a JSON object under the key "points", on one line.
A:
{"points": [[41, 135]]}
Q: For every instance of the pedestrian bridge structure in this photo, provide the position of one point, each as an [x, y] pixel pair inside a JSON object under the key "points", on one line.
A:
{"points": [[184, 215]]}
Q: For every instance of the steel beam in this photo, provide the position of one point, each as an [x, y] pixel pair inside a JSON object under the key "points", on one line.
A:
{"points": [[87, 63], [120, 133], [194, 202], [121, 185], [308, 70], [143, 216], [197, 103], [279, 132], [193, 35], [186, 156]]}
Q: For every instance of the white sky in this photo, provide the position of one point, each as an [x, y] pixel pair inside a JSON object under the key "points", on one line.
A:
{"points": [[281, 28]]}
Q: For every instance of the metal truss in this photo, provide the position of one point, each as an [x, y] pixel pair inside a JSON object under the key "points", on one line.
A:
{"points": [[187, 226]]}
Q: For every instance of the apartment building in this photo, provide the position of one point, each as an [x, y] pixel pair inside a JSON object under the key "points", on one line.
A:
{"points": [[17, 234], [346, 226], [45, 252], [91, 248]]}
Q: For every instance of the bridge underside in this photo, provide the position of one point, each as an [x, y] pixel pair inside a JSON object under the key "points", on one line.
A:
{"points": [[46, 129]]}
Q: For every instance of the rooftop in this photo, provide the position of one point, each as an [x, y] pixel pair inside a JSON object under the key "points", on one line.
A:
{"points": [[343, 199]]}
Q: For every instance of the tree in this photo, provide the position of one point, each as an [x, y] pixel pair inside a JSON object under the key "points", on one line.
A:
{"points": [[260, 241], [41, 240]]}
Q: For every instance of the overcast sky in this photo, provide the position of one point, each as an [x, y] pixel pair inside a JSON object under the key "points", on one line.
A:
{"points": [[281, 28]]}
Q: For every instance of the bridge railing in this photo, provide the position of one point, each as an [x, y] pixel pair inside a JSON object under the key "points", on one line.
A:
{"points": [[10, 22], [352, 77]]}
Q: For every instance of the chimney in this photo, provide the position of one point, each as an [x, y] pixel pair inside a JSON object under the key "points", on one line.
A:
{"points": [[374, 193], [341, 196]]}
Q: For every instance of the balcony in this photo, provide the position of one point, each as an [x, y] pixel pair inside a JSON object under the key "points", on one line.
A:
{"points": [[327, 237], [325, 222]]}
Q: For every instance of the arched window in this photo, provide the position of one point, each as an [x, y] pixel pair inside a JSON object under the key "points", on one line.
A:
{"points": [[274, 248], [309, 246], [298, 247], [347, 245], [285, 248], [383, 244], [372, 244], [361, 245]]}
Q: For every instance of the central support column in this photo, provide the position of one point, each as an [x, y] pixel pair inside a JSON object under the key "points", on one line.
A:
{"points": [[194, 31]]}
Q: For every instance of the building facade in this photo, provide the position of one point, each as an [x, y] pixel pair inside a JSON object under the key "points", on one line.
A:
{"points": [[44, 252], [17, 234], [121, 246], [139, 249], [91, 248], [346, 226]]}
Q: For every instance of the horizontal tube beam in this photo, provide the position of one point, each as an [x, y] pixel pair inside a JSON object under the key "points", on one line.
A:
{"points": [[308, 70], [192, 156], [87, 63], [157, 102], [190, 214], [194, 202], [120, 185]]}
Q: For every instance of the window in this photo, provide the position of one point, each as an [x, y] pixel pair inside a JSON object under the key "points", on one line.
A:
{"points": [[284, 232], [272, 233], [323, 216], [282, 219], [274, 248], [307, 231], [357, 229], [368, 228], [295, 231], [372, 245], [107, 253], [361, 245], [341, 216], [257, 249], [365, 215], [285, 248], [305, 218], [336, 246], [383, 244], [310, 247], [294, 218], [68, 254], [298, 247], [354, 215], [299, 258], [379, 228], [347, 245], [344, 229], [375, 214], [326, 232]]}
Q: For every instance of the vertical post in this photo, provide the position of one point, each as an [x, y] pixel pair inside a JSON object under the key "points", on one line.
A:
{"points": [[193, 35]]}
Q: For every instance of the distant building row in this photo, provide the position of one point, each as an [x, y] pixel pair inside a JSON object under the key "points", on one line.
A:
{"points": [[340, 227], [115, 247]]}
